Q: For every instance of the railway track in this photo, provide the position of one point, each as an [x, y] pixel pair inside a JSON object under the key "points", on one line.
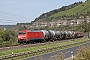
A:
{"points": [[31, 45]]}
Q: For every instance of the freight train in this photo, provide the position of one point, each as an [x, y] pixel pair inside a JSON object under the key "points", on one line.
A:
{"points": [[31, 36]]}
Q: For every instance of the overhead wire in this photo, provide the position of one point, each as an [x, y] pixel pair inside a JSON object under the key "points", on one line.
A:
{"points": [[13, 14], [13, 20]]}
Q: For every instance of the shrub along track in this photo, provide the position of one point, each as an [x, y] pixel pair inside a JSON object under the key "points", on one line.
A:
{"points": [[36, 44]]}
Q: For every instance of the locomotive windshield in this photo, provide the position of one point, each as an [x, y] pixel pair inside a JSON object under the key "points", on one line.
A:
{"points": [[22, 33]]}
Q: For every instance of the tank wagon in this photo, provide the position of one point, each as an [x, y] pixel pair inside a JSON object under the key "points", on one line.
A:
{"points": [[46, 35], [58, 35], [79, 34], [31, 36]]}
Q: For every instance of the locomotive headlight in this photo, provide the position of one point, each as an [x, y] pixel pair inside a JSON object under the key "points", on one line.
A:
{"points": [[19, 36], [24, 36]]}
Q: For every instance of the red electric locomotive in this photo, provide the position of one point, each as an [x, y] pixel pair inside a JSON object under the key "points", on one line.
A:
{"points": [[30, 36]]}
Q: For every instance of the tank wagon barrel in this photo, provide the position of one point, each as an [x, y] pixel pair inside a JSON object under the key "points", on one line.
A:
{"points": [[58, 34], [46, 34], [51, 34]]}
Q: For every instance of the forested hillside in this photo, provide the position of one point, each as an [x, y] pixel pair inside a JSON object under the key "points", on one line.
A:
{"points": [[63, 8], [80, 10], [73, 11]]}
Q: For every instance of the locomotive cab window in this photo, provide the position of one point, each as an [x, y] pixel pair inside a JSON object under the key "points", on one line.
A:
{"points": [[22, 33]]}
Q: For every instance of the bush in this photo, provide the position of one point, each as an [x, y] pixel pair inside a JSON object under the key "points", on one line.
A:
{"points": [[83, 53], [8, 37]]}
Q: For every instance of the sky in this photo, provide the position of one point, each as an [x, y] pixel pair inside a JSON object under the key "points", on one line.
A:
{"points": [[21, 11]]}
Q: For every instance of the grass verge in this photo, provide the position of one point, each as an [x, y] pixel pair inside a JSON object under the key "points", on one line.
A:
{"points": [[40, 47]]}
